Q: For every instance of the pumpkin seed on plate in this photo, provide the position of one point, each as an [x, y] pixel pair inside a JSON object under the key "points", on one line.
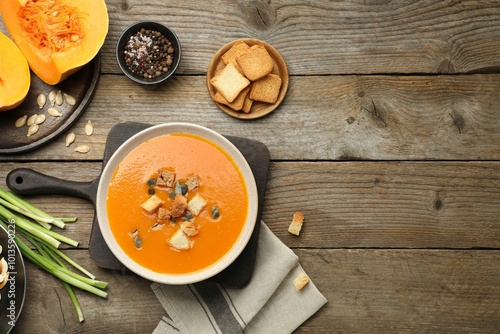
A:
{"points": [[21, 121], [54, 112], [89, 128], [41, 100], [82, 149], [70, 138], [69, 99], [52, 97], [31, 120], [40, 119], [33, 129], [59, 98]]}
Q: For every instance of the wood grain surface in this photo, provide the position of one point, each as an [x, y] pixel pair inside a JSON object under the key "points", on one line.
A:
{"points": [[388, 141]]}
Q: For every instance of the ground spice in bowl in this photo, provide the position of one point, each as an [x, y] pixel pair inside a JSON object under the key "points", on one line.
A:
{"points": [[148, 54]]}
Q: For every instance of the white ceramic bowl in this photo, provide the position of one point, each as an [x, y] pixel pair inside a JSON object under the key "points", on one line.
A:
{"points": [[124, 150]]}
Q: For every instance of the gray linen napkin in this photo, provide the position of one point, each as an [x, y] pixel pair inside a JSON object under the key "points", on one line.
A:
{"points": [[269, 303]]}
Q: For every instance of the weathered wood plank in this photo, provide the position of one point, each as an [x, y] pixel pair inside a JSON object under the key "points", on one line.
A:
{"points": [[376, 291], [404, 291], [328, 37], [347, 204], [321, 118]]}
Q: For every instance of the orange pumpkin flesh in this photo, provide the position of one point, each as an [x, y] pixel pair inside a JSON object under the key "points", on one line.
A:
{"points": [[15, 77], [57, 37]]}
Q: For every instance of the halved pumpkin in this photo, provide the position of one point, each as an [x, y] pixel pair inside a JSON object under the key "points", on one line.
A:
{"points": [[15, 77], [57, 37]]}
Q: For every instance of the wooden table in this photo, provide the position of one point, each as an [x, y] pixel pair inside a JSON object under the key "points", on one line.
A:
{"points": [[388, 142]]}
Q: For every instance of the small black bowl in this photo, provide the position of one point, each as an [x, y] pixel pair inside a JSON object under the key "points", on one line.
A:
{"points": [[148, 25]]}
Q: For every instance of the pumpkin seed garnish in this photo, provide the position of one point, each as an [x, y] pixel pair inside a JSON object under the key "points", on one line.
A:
{"points": [[41, 100], [59, 98], [181, 188], [89, 128], [70, 138], [31, 120], [52, 97], [188, 216], [54, 112], [215, 212], [40, 119], [82, 149], [69, 99], [33, 129], [21, 121], [138, 242]]}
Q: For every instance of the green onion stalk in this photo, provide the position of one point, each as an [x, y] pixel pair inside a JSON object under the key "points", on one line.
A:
{"points": [[35, 226]]}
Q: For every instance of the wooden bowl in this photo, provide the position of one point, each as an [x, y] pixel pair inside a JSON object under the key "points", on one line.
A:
{"points": [[259, 109]]}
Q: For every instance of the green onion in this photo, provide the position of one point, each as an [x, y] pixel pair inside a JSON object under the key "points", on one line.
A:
{"points": [[34, 225]]}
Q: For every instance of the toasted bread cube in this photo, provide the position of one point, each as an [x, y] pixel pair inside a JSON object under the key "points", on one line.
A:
{"points": [[256, 63], [296, 224], [266, 89], [237, 49], [179, 240], [152, 204], [192, 182], [196, 204], [179, 206], [165, 178], [300, 281], [189, 228], [229, 82], [163, 215]]}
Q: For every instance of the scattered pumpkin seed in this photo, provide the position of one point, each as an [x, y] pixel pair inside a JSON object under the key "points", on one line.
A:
{"points": [[21, 121], [156, 226], [138, 242], [69, 99], [33, 129], [31, 120], [54, 112], [188, 216], [41, 100], [89, 128], [82, 149], [215, 212], [52, 97], [171, 193], [40, 119], [173, 220], [70, 138], [59, 98]]}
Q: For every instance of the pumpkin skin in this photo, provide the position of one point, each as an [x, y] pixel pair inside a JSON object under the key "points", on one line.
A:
{"points": [[57, 37], [15, 77]]}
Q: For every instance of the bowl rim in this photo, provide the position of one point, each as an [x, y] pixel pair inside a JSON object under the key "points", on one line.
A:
{"points": [[128, 32], [165, 129]]}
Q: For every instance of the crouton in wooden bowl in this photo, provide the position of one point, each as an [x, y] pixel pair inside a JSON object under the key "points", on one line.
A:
{"points": [[177, 203], [247, 78]]}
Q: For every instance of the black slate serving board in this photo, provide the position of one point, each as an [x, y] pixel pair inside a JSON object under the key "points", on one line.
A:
{"points": [[28, 182]]}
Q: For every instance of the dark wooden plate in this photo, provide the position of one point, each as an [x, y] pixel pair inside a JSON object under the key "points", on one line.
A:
{"points": [[259, 109], [80, 85]]}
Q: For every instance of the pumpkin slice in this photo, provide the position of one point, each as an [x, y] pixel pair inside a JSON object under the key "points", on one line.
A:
{"points": [[14, 75], [57, 37]]}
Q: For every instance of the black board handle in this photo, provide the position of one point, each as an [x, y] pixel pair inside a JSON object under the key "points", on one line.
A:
{"points": [[28, 182]]}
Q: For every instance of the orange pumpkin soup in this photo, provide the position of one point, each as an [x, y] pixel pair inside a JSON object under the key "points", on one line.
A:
{"points": [[175, 181]]}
